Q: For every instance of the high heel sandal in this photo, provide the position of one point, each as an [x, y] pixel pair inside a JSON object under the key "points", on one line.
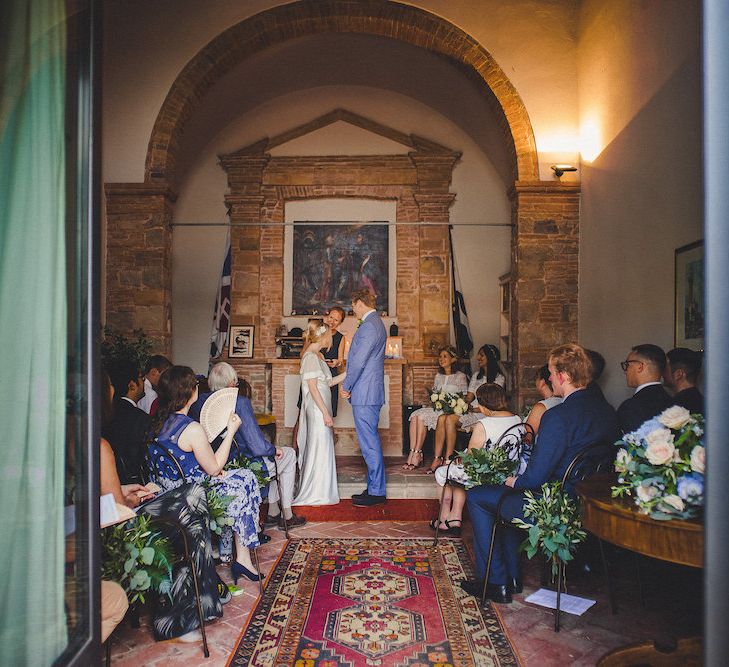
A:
{"points": [[407, 465], [453, 531], [433, 523], [237, 570], [415, 458], [431, 470]]}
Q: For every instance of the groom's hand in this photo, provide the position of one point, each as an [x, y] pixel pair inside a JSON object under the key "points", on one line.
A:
{"points": [[344, 394]]}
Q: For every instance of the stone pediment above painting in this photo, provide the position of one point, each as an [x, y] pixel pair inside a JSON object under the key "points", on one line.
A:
{"points": [[364, 137]]}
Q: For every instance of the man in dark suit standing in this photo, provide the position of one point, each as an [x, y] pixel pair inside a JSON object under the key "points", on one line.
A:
{"points": [[128, 428], [583, 418], [643, 371]]}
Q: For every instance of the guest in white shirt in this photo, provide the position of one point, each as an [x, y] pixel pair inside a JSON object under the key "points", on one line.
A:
{"points": [[156, 365]]}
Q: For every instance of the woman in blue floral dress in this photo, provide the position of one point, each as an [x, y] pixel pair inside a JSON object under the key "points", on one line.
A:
{"points": [[186, 441]]}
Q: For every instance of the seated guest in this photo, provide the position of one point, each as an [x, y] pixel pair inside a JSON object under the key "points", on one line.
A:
{"points": [[187, 442], [178, 618], [682, 372], [488, 372], [155, 366], [496, 418], [127, 430], [598, 366], [643, 371], [549, 400], [252, 444], [583, 418]]}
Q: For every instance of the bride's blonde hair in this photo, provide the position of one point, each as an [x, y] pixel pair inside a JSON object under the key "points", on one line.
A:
{"points": [[317, 331]]}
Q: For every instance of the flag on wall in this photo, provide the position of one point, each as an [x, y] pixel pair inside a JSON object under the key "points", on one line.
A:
{"points": [[221, 314]]}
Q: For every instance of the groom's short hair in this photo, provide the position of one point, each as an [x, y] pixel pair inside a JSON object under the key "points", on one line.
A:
{"points": [[365, 296]]}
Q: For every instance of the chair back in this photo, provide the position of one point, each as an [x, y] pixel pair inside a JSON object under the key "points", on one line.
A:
{"points": [[162, 465], [516, 440], [596, 457]]}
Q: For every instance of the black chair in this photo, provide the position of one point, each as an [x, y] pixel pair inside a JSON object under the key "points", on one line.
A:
{"points": [[515, 440], [594, 458]]}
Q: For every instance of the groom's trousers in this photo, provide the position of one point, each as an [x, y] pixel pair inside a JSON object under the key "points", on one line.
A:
{"points": [[366, 418]]}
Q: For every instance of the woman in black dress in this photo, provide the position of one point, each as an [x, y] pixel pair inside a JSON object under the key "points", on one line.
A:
{"points": [[334, 356]]}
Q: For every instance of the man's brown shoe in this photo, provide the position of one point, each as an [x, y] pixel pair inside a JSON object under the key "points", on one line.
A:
{"points": [[293, 522]]}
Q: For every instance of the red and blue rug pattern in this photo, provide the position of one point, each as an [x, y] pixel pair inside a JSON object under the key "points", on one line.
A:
{"points": [[380, 602]]}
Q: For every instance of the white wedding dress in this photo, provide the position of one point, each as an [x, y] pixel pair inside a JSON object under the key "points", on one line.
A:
{"points": [[318, 469]]}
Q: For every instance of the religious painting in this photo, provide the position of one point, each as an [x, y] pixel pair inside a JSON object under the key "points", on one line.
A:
{"points": [[241, 341], [689, 307], [330, 261]]}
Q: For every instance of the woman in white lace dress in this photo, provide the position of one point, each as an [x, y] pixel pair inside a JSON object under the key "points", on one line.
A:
{"points": [[426, 419], [495, 420], [318, 469]]}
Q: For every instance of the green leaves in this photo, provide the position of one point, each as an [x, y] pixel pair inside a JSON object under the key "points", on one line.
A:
{"points": [[487, 466], [138, 558], [256, 467], [555, 529], [117, 346], [217, 507]]}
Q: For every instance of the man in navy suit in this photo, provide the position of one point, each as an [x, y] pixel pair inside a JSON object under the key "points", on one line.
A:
{"points": [[643, 371], [583, 417], [364, 386]]}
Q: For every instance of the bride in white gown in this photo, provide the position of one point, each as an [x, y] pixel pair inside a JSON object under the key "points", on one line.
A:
{"points": [[318, 476]]}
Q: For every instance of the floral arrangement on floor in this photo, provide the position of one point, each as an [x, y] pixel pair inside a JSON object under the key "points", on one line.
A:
{"points": [[137, 558], [448, 403], [487, 465], [556, 529], [661, 465]]}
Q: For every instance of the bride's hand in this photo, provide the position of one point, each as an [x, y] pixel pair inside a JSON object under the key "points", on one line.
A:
{"points": [[328, 421]]}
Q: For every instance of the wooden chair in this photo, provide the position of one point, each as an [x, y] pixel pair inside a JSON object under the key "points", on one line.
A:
{"points": [[593, 459], [515, 440]]}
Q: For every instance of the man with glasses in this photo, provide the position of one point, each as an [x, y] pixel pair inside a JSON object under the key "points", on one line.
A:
{"points": [[643, 371]]}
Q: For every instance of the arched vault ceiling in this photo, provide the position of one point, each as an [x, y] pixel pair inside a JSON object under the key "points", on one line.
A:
{"points": [[350, 59]]}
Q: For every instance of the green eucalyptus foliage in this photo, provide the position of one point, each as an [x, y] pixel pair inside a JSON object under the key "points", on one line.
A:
{"points": [[217, 508], [487, 466], [556, 529], [137, 558], [256, 467], [116, 346]]}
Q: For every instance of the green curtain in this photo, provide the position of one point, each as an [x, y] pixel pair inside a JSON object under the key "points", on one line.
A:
{"points": [[32, 330]]}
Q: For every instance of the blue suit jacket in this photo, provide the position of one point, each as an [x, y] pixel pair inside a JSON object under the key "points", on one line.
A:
{"points": [[584, 417], [366, 363], [249, 437]]}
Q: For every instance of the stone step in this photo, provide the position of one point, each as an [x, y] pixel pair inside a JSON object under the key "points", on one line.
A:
{"points": [[352, 478]]}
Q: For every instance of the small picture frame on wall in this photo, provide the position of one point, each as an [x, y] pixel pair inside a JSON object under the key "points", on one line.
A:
{"points": [[240, 342], [689, 303]]}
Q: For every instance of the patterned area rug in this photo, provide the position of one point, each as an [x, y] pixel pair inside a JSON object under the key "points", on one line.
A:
{"points": [[384, 602]]}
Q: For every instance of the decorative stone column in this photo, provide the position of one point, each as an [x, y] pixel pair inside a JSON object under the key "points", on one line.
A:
{"points": [[139, 260], [545, 254]]}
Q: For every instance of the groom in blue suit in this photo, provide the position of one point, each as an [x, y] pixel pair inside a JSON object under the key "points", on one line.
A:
{"points": [[364, 386]]}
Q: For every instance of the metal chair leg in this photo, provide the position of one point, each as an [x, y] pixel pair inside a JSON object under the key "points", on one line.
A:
{"points": [[258, 569], [440, 511], [487, 574], [560, 579]]}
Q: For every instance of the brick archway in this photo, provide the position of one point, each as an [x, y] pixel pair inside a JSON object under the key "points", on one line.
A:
{"points": [[299, 19]]}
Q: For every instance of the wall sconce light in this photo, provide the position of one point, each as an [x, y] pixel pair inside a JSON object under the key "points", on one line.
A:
{"points": [[393, 348], [560, 169]]}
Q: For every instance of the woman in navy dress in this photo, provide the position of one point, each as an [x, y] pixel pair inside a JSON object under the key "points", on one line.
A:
{"points": [[187, 442], [334, 356]]}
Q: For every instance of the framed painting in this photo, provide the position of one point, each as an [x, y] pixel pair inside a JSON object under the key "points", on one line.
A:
{"points": [[332, 260], [240, 342], [689, 304]]}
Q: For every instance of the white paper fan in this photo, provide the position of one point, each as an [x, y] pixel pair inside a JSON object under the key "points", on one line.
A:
{"points": [[216, 410]]}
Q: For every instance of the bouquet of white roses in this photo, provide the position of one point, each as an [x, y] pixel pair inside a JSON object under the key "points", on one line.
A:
{"points": [[662, 465], [448, 403]]}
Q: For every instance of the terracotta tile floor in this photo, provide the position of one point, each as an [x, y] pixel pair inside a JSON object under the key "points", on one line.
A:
{"points": [[581, 642]]}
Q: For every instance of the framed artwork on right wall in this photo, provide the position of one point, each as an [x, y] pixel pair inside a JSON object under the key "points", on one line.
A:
{"points": [[689, 299]]}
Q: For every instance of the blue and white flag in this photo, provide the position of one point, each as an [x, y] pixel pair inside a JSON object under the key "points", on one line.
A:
{"points": [[221, 314]]}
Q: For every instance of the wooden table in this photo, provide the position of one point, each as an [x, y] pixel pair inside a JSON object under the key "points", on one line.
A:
{"points": [[618, 521]]}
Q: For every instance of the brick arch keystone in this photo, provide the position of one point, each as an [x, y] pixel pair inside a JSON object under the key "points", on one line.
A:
{"points": [[310, 17]]}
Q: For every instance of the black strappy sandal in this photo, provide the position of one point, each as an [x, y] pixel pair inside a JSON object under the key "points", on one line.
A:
{"points": [[453, 531]]}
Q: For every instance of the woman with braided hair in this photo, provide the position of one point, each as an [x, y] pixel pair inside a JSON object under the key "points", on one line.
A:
{"points": [[315, 437]]}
